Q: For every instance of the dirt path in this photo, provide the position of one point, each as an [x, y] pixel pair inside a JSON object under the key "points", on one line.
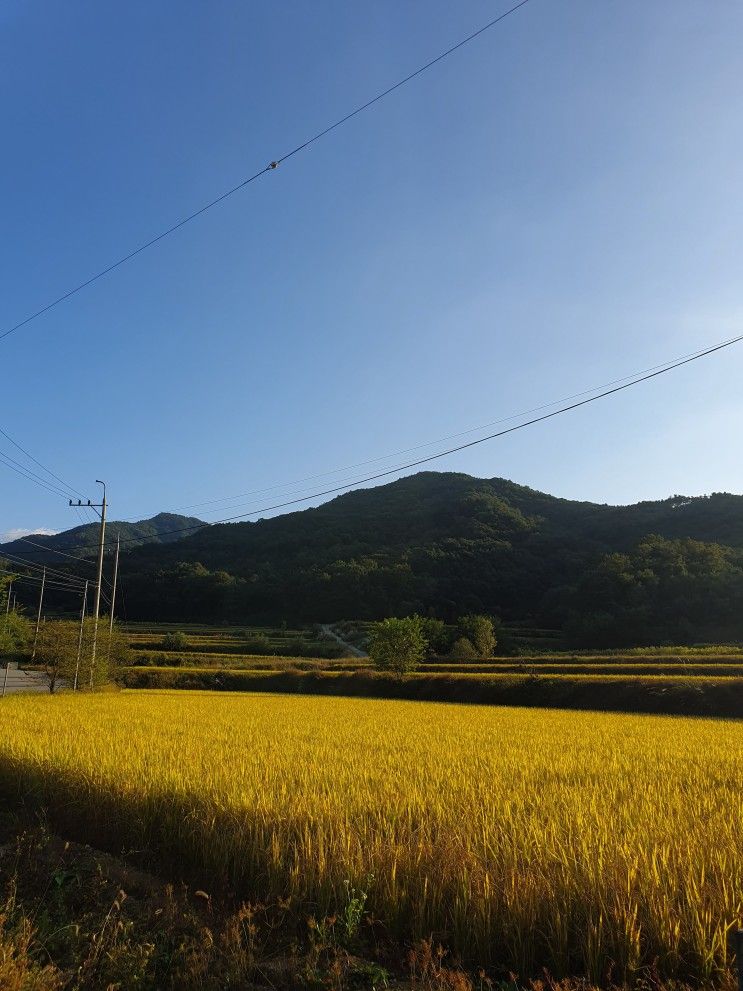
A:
{"points": [[330, 632]]}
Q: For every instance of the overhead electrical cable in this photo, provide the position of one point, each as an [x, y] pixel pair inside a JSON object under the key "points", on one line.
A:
{"points": [[268, 168], [637, 380], [48, 585], [25, 560], [431, 443], [39, 464], [85, 520], [31, 476], [53, 550], [38, 568], [36, 582]]}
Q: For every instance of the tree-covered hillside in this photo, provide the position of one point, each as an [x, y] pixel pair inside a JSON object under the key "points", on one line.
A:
{"points": [[448, 543]]}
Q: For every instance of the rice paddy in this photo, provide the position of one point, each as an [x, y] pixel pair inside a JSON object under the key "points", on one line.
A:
{"points": [[581, 842]]}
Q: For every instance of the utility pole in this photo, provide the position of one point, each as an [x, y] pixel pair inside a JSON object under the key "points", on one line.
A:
{"points": [[7, 661], [38, 614], [101, 542], [80, 638], [113, 594]]}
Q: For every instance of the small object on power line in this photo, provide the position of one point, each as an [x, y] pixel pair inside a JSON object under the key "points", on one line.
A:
{"points": [[241, 185]]}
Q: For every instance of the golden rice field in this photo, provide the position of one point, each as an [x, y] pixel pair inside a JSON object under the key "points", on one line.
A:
{"points": [[519, 838]]}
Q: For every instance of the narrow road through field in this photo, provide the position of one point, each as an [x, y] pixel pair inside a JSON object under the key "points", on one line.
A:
{"points": [[22, 681], [330, 632]]}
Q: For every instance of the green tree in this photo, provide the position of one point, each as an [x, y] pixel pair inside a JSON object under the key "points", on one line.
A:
{"points": [[65, 656], [15, 633], [480, 631], [436, 634], [397, 645]]}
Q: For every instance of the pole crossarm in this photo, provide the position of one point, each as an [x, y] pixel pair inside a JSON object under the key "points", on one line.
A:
{"points": [[90, 505]]}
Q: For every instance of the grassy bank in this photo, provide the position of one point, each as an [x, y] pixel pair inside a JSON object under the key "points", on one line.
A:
{"points": [[673, 695]]}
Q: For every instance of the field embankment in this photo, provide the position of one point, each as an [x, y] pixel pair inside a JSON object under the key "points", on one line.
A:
{"points": [[590, 844], [660, 694], [705, 680]]}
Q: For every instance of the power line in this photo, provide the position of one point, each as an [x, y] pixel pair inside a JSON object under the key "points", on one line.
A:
{"points": [[402, 82], [85, 520], [39, 568], [268, 168], [33, 580], [431, 443], [53, 550], [645, 377], [39, 464], [122, 598], [36, 566], [48, 550], [31, 476], [57, 588]]}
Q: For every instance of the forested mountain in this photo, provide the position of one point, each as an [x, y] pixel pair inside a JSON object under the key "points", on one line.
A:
{"points": [[445, 543], [84, 539]]}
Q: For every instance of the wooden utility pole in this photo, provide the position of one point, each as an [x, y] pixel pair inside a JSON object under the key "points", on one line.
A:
{"points": [[38, 614]]}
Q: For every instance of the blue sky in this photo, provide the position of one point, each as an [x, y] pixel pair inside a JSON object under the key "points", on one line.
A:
{"points": [[553, 207]]}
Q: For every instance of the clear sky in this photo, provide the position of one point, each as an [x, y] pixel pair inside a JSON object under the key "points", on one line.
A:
{"points": [[555, 206]]}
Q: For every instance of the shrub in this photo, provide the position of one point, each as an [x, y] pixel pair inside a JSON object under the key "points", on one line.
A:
{"points": [[174, 641], [463, 650], [259, 644]]}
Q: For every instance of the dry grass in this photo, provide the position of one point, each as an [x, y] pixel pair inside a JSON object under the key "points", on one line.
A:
{"points": [[579, 842]]}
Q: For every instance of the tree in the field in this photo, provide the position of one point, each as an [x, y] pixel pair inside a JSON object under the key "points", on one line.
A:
{"points": [[480, 631], [15, 634], [438, 637], [5, 583], [65, 655], [397, 645], [57, 650]]}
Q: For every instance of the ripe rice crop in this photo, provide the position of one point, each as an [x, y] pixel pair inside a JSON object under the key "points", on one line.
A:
{"points": [[521, 838]]}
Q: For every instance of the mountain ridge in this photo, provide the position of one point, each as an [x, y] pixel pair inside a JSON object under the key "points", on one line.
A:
{"points": [[84, 538], [447, 543]]}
